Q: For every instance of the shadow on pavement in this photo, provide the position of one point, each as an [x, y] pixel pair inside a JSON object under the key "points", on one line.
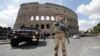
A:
{"points": [[31, 46]]}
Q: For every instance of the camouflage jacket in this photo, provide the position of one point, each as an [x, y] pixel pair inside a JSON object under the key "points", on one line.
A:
{"points": [[59, 26]]}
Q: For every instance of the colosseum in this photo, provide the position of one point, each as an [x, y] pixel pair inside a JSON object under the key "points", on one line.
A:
{"points": [[42, 16]]}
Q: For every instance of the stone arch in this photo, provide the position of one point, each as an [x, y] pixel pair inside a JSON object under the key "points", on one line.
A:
{"points": [[53, 33], [45, 34], [32, 18], [42, 26], [37, 25], [47, 18], [48, 34], [37, 17], [47, 26], [52, 18], [42, 18]]}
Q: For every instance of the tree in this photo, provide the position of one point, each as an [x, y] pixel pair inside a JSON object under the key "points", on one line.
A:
{"points": [[97, 28], [4, 30]]}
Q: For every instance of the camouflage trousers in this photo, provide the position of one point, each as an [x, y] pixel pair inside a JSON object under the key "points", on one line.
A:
{"points": [[60, 39]]}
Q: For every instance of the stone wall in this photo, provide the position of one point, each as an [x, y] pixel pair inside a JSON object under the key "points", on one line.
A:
{"points": [[42, 16]]}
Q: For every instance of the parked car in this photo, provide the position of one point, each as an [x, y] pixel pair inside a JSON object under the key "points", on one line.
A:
{"points": [[76, 36]]}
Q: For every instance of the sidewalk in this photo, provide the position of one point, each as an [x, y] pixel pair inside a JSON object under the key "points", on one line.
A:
{"points": [[6, 41]]}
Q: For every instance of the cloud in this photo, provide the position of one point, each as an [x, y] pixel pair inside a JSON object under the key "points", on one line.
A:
{"points": [[8, 12], [86, 24], [95, 17], [3, 24], [8, 16], [92, 10], [17, 0]]}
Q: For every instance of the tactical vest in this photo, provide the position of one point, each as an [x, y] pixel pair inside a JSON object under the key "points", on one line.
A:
{"points": [[58, 26]]}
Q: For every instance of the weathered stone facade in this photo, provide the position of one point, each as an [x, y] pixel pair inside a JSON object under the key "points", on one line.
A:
{"points": [[42, 16]]}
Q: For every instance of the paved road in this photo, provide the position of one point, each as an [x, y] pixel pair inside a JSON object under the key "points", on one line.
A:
{"points": [[88, 46]]}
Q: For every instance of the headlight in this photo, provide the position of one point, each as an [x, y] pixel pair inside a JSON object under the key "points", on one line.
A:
{"points": [[13, 31], [33, 37], [36, 32], [15, 36]]}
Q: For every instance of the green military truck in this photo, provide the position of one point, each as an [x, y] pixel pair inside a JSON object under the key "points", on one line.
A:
{"points": [[25, 34]]}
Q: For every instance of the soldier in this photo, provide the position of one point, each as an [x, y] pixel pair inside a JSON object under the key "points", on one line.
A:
{"points": [[59, 38]]}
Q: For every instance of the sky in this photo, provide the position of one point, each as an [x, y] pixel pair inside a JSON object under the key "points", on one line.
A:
{"points": [[88, 11]]}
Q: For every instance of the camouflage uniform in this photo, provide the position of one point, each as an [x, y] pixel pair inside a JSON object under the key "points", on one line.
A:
{"points": [[59, 38]]}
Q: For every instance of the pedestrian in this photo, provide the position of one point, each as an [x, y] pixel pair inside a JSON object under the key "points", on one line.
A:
{"points": [[44, 37], [60, 37]]}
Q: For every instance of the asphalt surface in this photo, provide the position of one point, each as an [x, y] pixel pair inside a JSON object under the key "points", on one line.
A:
{"points": [[87, 46]]}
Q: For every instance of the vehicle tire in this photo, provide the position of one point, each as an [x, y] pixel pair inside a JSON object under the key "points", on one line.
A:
{"points": [[36, 42], [14, 43]]}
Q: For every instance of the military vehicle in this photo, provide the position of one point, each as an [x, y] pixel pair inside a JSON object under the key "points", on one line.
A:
{"points": [[25, 34]]}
